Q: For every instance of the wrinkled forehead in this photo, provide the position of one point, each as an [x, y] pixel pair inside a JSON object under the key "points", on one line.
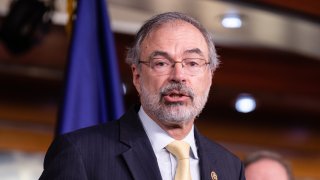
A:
{"points": [[175, 34], [170, 24]]}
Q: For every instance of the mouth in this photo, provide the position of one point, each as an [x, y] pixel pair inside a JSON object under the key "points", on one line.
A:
{"points": [[176, 96]]}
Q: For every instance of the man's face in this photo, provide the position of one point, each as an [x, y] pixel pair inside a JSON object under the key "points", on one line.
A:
{"points": [[266, 169], [174, 97]]}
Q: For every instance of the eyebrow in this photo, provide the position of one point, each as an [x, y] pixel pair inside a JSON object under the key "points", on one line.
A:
{"points": [[166, 55], [194, 51], [159, 53]]}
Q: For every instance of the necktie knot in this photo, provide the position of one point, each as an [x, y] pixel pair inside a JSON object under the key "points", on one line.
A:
{"points": [[181, 150]]}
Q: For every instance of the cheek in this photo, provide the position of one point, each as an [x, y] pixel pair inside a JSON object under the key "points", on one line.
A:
{"points": [[202, 85], [151, 83]]}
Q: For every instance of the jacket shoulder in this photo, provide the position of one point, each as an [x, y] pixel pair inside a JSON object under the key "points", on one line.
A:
{"points": [[214, 157]]}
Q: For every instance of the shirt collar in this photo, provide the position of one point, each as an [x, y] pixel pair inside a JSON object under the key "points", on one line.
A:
{"points": [[160, 139]]}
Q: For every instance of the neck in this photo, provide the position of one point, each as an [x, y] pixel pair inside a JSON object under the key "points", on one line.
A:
{"points": [[177, 131]]}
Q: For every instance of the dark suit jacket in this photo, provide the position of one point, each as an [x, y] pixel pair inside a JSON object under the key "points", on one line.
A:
{"points": [[121, 150]]}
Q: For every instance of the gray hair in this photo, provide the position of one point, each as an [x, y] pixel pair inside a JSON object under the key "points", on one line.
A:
{"points": [[133, 55], [259, 155]]}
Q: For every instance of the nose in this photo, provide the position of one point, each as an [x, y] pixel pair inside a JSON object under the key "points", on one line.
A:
{"points": [[177, 74]]}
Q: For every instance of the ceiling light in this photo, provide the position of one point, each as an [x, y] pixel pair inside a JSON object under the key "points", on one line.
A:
{"points": [[245, 103], [231, 21]]}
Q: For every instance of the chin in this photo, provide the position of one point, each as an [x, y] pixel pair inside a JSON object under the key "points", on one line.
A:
{"points": [[176, 113]]}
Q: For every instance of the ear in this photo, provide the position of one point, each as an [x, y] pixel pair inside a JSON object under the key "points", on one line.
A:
{"points": [[136, 77]]}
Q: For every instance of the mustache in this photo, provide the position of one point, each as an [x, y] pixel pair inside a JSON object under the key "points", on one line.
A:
{"points": [[179, 88]]}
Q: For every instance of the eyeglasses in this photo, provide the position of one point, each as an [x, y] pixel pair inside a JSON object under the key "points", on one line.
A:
{"points": [[163, 66]]}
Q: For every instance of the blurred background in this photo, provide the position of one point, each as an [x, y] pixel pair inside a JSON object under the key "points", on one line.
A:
{"points": [[265, 96]]}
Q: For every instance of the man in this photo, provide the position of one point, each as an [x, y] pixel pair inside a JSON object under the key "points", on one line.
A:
{"points": [[172, 61], [266, 165]]}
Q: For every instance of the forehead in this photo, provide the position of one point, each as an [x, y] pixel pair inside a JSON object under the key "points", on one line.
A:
{"points": [[174, 37], [266, 168]]}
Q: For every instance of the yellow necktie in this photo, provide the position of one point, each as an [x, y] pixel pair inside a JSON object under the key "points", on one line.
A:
{"points": [[180, 150]]}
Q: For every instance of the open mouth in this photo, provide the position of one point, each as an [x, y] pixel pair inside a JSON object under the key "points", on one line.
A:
{"points": [[176, 96], [173, 94]]}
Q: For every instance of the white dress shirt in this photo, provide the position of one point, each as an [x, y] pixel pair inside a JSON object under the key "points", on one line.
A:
{"points": [[160, 139]]}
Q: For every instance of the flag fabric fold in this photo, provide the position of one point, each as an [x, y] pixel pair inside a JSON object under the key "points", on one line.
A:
{"points": [[93, 93]]}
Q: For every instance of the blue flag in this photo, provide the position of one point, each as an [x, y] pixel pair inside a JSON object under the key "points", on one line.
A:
{"points": [[93, 92]]}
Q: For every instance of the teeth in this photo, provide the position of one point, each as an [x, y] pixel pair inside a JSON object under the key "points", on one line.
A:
{"points": [[175, 95]]}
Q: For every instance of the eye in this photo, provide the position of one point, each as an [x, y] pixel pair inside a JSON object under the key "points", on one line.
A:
{"points": [[160, 63], [192, 62]]}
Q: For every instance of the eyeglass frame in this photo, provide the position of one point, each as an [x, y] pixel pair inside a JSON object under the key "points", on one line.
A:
{"points": [[173, 63]]}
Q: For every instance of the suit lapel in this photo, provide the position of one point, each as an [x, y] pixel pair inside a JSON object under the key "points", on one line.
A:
{"points": [[208, 162], [216, 162], [140, 157]]}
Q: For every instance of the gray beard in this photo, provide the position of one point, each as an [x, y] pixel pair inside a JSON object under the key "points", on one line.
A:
{"points": [[173, 113]]}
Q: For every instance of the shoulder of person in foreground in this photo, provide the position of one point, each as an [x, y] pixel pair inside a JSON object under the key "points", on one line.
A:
{"points": [[69, 153]]}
